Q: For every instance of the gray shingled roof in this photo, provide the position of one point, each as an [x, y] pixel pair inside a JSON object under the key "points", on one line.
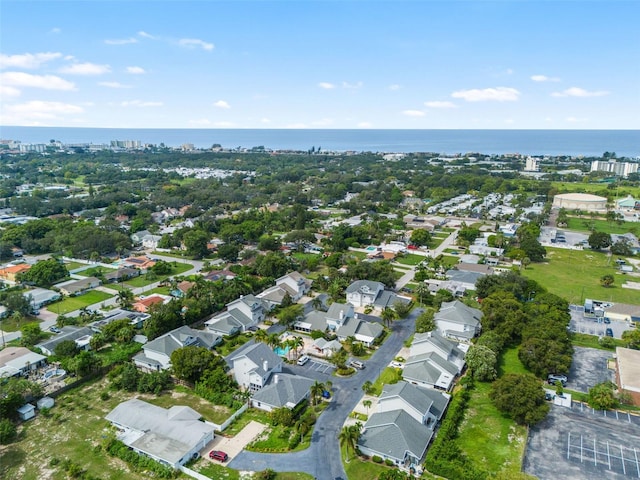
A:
{"points": [[68, 333], [458, 312], [175, 339], [449, 347], [364, 286], [258, 353], [422, 399], [394, 434], [284, 390], [464, 276]]}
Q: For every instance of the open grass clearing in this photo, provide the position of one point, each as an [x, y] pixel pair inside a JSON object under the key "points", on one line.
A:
{"points": [[510, 363], [410, 259], [73, 265], [389, 375], [575, 275], [357, 468], [584, 224], [601, 189], [489, 439], [71, 304], [593, 341], [95, 271], [184, 396], [13, 324]]}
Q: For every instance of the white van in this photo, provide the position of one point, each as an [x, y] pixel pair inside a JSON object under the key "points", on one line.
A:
{"points": [[303, 359], [357, 364]]}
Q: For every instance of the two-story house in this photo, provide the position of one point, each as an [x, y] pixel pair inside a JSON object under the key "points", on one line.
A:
{"points": [[458, 321], [241, 314], [253, 366], [434, 342]]}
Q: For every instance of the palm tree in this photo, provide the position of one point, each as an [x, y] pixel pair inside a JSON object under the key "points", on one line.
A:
{"points": [[261, 336], [297, 343], [316, 391], [421, 290], [367, 387], [349, 438], [388, 315], [273, 340], [316, 303], [125, 298], [367, 405]]}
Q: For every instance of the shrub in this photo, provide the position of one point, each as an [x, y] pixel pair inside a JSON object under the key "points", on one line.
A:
{"points": [[104, 396], [389, 462], [8, 431], [376, 459]]}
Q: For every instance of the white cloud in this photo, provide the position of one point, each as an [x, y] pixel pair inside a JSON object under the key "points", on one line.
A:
{"points": [[326, 85], [579, 92], [413, 113], [121, 41], [47, 82], [394, 87], [544, 78], [365, 125], [136, 70], [498, 94], [85, 69], [201, 122], [113, 85], [221, 104], [146, 35], [140, 103], [195, 42], [41, 110], [27, 60], [6, 91], [438, 104], [352, 85]]}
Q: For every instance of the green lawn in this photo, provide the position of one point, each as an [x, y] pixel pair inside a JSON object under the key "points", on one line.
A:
{"points": [[592, 341], [73, 265], [597, 188], [70, 304], [584, 225], [410, 259], [184, 396], [10, 324], [95, 271], [510, 363], [490, 440], [357, 469], [143, 280], [389, 375], [575, 275]]}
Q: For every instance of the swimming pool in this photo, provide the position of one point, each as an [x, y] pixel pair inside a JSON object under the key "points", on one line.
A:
{"points": [[282, 351], [53, 373], [371, 249]]}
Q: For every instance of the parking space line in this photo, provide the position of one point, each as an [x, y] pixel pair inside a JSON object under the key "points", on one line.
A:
{"points": [[635, 452]]}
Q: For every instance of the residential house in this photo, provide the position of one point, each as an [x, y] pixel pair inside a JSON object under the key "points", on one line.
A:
{"points": [[80, 335], [215, 275], [144, 304], [326, 348], [171, 436], [143, 264], [242, 313], [363, 331], [253, 366], [457, 320], [475, 268], [19, 361], [151, 241], [182, 288], [10, 273], [465, 278], [292, 284], [78, 287], [456, 289], [434, 342], [156, 355], [121, 274], [137, 237], [430, 370], [396, 436], [39, 297], [135, 318], [362, 293], [282, 390], [424, 405]]}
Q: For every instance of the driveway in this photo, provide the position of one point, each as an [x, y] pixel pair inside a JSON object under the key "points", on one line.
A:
{"points": [[588, 368], [232, 446]]}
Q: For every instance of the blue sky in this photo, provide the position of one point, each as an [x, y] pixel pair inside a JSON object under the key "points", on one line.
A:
{"points": [[321, 64]]}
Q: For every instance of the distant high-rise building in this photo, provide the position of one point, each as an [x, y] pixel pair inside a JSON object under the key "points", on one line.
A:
{"points": [[532, 164], [125, 143], [623, 169]]}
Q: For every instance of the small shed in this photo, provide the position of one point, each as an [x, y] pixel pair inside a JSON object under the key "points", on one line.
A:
{"points": [[45, 402], [27, 411]]}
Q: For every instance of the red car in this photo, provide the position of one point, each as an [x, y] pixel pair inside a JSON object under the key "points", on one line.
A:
{"points": [[218, 455]]}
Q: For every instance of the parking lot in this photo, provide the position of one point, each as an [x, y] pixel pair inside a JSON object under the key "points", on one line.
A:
{"points": [[589, 367], [582, 444], [592, 326]]}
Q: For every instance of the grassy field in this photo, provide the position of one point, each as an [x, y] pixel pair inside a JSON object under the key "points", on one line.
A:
{"points": [[410, 259], [73, 265], [10, 324], [143, 281], [592, 341], [575, 275], [388, 376], [183, 396], [95, 271], [578, 224], [74, 429], [597, 188], [488, 438], [70, 304]]}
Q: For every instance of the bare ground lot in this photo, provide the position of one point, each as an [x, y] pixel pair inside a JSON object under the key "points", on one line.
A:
{"points": [[580, 444]]}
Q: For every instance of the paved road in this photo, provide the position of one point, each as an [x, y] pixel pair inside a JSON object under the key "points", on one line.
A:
{"points": [[322, 459]]}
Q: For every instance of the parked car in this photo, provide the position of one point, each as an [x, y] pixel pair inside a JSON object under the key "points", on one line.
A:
{"points": [[303, 359], [607, 320], [54, 329], [553, 378], [357, 364], [608, 332], [218, 455]]}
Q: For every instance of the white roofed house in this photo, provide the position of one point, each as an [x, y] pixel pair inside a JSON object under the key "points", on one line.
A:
{"points": [[457, 320], [242, 313], [156, 355], [80, 335], [363, 292], [19, 361], [170, 436], [294, 284], [253, 366], [430, 370]]}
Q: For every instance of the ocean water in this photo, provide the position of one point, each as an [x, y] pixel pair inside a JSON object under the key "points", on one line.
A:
{"points": [[625, 143]]}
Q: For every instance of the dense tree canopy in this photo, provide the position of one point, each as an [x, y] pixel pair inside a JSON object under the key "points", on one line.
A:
{"points": [[521, 397], [45, 273]]}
